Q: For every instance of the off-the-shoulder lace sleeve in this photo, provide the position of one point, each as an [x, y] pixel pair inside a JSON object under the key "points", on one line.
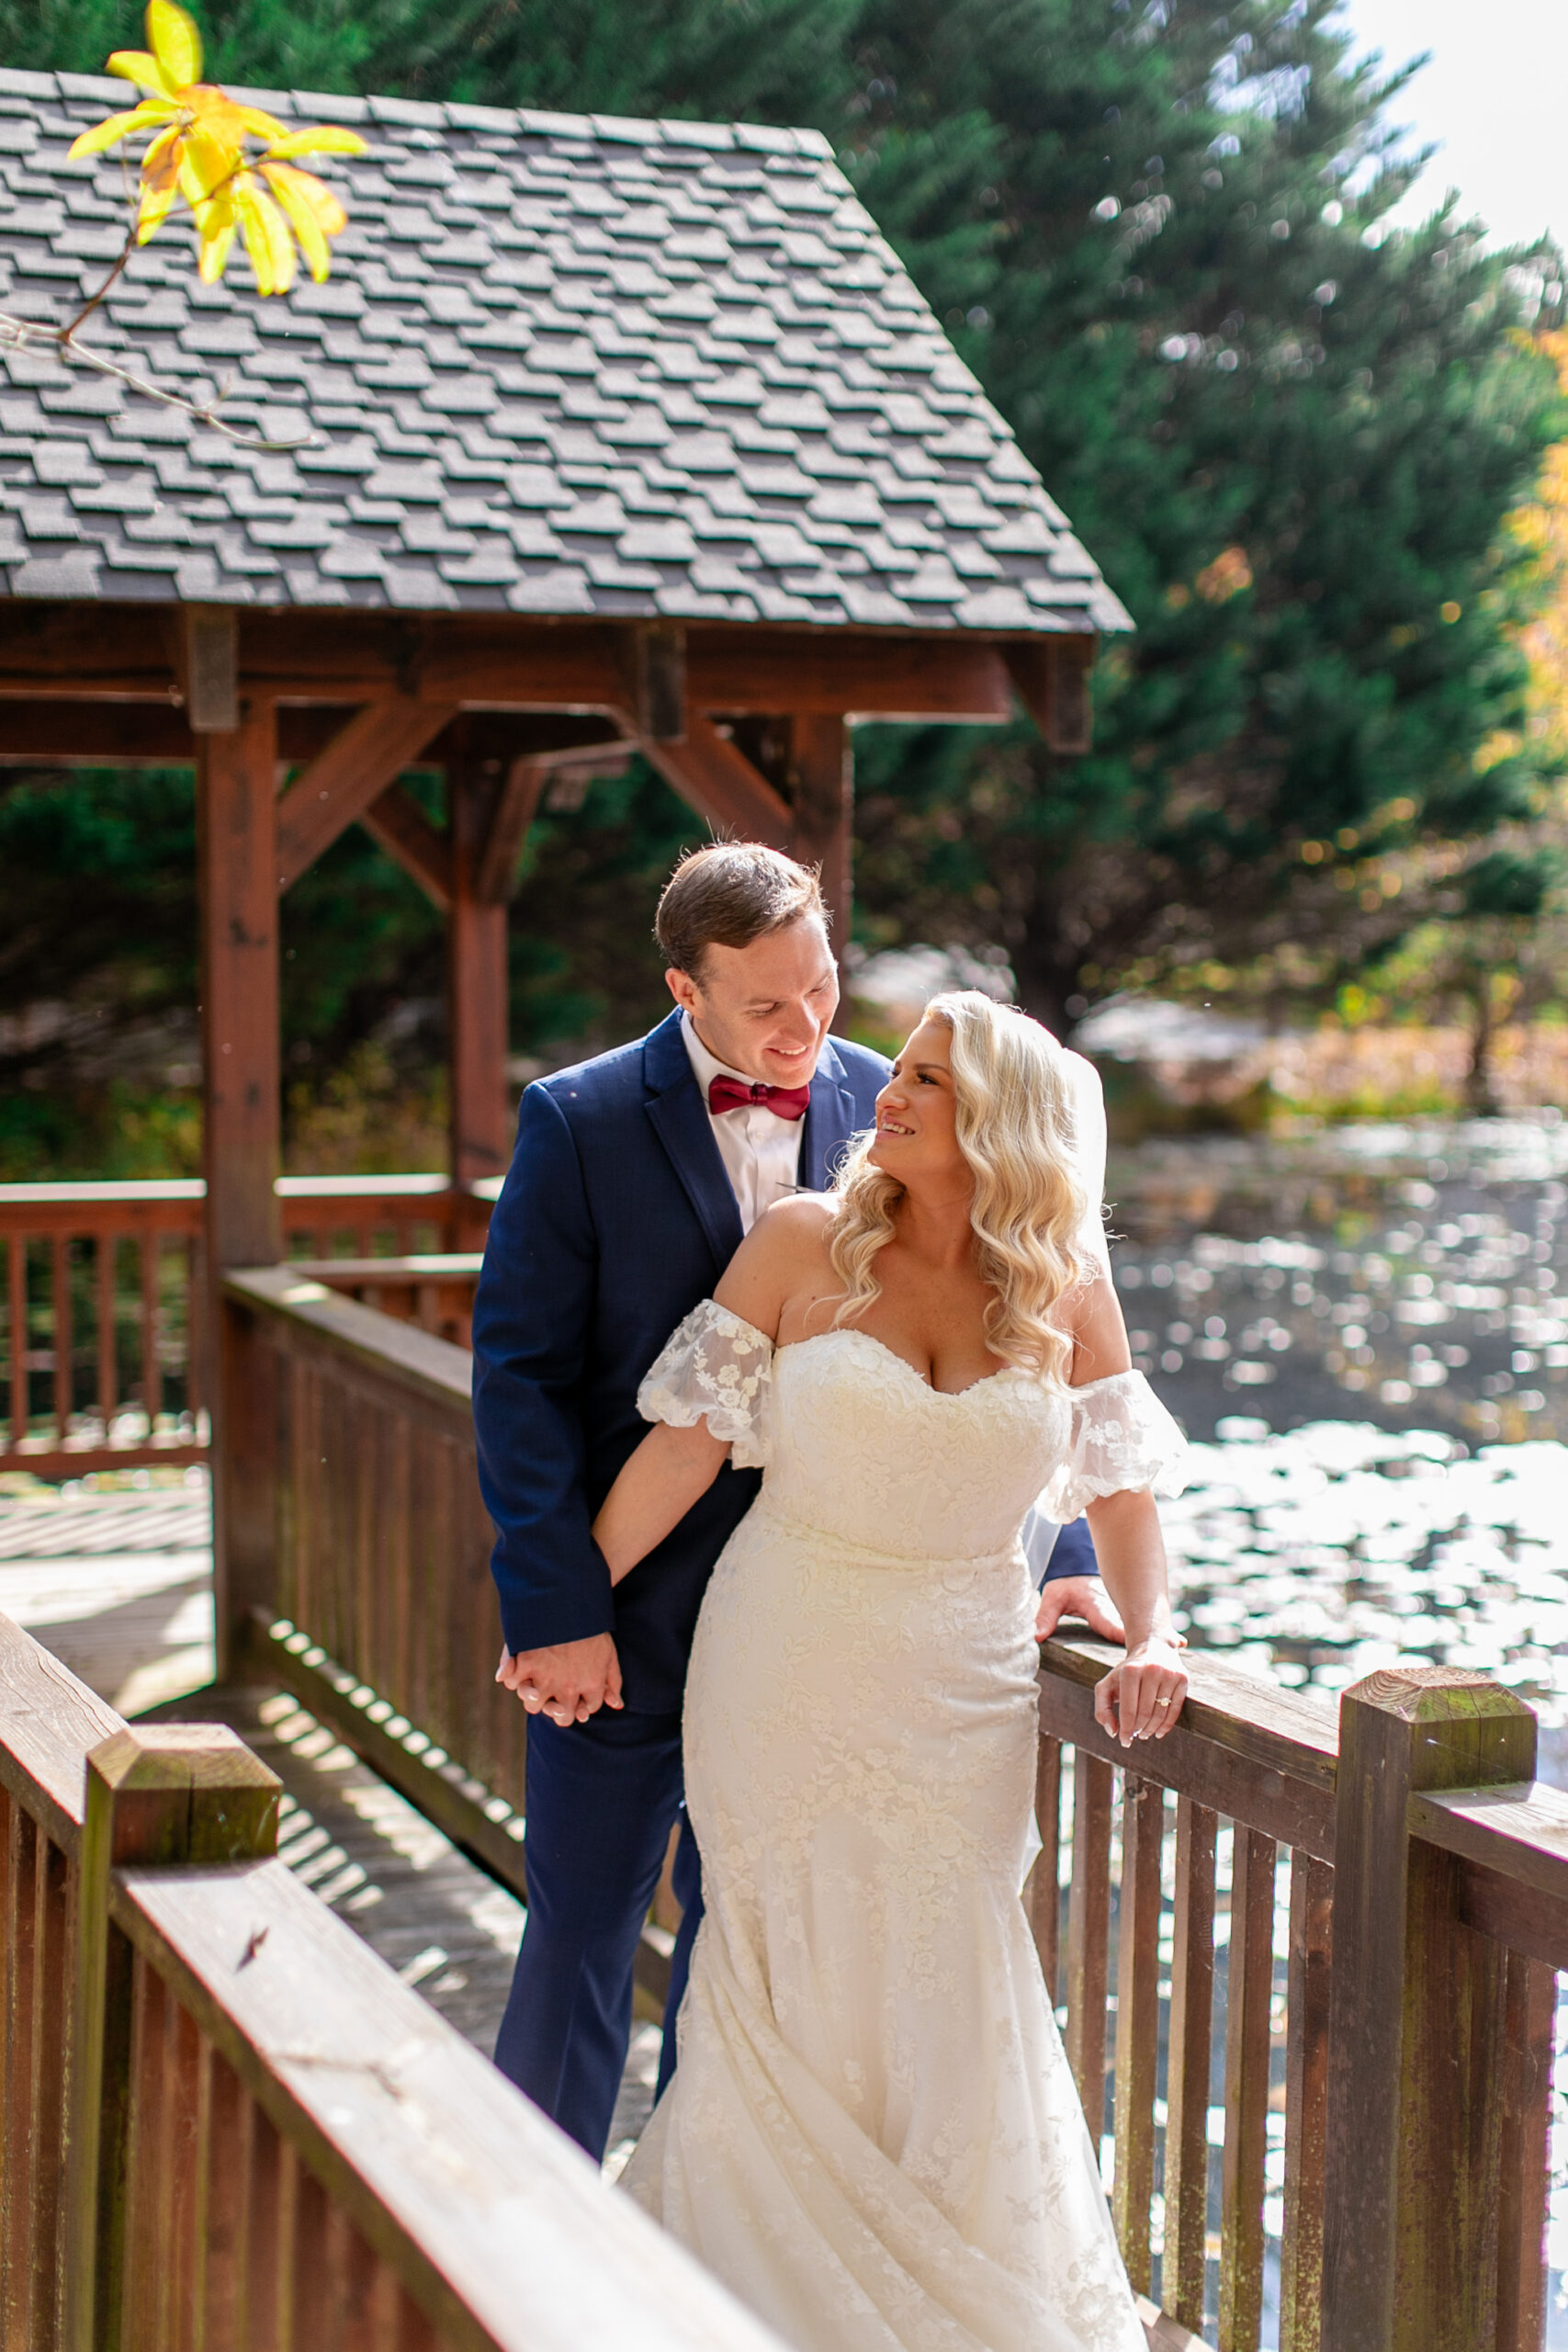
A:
{"points": [[1122, 1441], [714, 1367]]}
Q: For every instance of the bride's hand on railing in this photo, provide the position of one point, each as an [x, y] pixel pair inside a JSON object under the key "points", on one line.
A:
{"points": [[1141, 1698]]}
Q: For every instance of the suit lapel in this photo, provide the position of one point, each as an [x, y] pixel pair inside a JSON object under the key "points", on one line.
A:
{"points": [[680, 1120], [830, 1120]]}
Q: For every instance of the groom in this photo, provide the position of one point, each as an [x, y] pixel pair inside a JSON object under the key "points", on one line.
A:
{"points": [[634, 1177]]}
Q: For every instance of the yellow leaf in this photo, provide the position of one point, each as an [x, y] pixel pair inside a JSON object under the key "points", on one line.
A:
{"points": [[158, 201], [215, 251], [263, 126], [267, 241], [327, 138], [173, 37], [301, 212], [314, 195], [208, 163], [140, 65], [115, 128]]}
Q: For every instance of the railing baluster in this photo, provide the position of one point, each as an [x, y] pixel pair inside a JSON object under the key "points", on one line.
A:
{"points": [[1306, 2104], [108, 1368], [1138, 2021], [1248, 2000], [60, 1287], [151, 1372], [1182, 2270], [21, 2081], [1088, 1922], [1526, 2167], [17, 1291], [1045, 1879]]}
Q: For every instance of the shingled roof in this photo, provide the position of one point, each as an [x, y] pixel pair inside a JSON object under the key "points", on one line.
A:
{"points": [[565, 364]]}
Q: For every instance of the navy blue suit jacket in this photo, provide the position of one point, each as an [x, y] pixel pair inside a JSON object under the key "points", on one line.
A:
{"points": [[616, 1217]]}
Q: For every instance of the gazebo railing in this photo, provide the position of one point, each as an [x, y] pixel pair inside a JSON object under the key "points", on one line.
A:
{"points": [[101, 1303], [227, 2124], [1305, 1960]]}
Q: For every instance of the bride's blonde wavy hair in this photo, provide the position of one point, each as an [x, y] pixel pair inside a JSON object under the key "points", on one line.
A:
{"points": [[1016, 1128]]}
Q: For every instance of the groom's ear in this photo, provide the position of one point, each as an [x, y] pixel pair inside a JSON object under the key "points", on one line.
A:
{"points": [[684, 989]]}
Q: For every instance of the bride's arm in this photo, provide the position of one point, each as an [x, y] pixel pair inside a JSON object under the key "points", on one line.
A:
{"points": [[1131, 1551], [672, 1468]]}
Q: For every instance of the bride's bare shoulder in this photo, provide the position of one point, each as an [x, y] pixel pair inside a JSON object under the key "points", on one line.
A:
{"points": [[786, 1242]]}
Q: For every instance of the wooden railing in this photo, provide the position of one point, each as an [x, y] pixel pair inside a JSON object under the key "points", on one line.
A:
{"points": [[1335, 1933], [228, 2124], [101, 1311]]}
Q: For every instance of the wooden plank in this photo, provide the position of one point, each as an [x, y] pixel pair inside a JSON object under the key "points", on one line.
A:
{"points": [[1233, 1749], [1520, 1833], [51, 1721], [210, 667], [497, 2228], [1307, 2112], [1182, 2269], [658, 670], [1415, 2023], [104, 1248], [876, 675], [152, 1323], [53, 1922], [477, 995], [236, 807], [341, 782], [20, 1995], [1043, 1891], [822, 763], [515, 811], [1088, 1922], [306, 1315], [1248, 2000], [16, 1333], [61, 1334], [1520, 1918], [75, 1462], [397, 824], [1525, 2164], [1138, 2021], [1051, 674], [722, 785]]}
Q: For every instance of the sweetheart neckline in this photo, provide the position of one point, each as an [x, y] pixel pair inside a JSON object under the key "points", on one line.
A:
{"points": [[952, 1396]]}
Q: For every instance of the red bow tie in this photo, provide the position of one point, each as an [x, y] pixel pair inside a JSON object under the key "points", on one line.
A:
{"points": [[735, 1094]]}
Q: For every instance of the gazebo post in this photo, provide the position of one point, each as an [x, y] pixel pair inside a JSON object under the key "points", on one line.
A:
{"points": [[477, 997], [822, 761], [241, 1123]]}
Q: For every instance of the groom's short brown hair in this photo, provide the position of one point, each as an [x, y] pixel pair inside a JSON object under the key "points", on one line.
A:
{"points": [[728, 894]]}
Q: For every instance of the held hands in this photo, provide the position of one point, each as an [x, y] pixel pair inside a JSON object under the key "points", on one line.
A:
{"points": [[1141, 1698], [569, 1682], [1083, 1596]]}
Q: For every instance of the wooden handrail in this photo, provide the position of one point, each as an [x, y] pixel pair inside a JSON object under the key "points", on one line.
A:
{"points": [[269, 2135]]}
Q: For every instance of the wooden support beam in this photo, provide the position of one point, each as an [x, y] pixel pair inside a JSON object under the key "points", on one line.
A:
{"points": [[1052, 675], [354, 769], [397, 824], [1418, 2024], [658, 681], [821, 760], [209, 666], [236, 858], [477, 992], [528, 777], [722, 785]]}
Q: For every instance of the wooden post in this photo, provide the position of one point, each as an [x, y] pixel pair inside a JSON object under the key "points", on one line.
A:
{"points": [[477, 996], [156, 1794], [822, 761], [236, 856], [1417, 2025]]}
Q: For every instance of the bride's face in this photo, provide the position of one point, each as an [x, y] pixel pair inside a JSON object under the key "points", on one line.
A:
{"points": [[917, 1136]]}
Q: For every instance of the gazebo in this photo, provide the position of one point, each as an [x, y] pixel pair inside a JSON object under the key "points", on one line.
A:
{"points": [[605, 435]]}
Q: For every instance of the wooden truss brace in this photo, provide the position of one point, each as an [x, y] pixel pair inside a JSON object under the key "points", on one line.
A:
{"points": [[721, 784], [518, 804], [1051, 677], [356, 768]]}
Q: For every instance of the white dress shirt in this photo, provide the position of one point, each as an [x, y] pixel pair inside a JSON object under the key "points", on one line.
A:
{"points": [[761, 1151]]}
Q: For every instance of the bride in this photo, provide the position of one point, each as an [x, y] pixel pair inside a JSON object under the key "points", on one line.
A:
{"points": [[873, 2135]]}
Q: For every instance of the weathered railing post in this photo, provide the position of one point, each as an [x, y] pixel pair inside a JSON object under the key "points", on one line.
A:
{"points": [[1417, 2025], [156, 1792], [245, 1479]]}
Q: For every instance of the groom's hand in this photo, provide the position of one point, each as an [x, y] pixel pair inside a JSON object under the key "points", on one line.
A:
{"points": [[568, 1682], [1083, 1596]]}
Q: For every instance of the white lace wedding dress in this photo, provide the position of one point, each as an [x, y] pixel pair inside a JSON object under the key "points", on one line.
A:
{"points": [[873, 2136]]}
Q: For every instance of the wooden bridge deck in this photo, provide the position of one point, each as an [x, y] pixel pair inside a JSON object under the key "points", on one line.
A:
{"points": [[118, 1585]]}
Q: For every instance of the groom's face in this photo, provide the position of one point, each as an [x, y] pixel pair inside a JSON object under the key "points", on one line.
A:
{"points": [[765, 1010]]}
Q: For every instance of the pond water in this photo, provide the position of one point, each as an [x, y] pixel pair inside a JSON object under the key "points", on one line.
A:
{"points": [[1365, 1334]]}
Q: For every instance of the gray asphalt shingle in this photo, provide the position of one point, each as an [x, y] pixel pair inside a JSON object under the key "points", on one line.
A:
{"points": [[564, 364]]}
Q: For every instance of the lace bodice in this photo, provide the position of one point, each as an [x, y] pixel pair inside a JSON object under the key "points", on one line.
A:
{"points": [[855, 1443]]}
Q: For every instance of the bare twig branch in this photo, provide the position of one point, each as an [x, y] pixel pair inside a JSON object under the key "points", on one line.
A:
{"points": [[58, 342]]}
